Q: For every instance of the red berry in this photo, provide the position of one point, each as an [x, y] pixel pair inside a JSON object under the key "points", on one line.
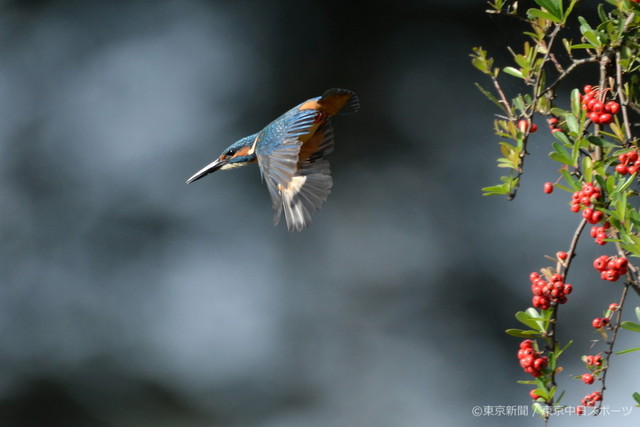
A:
{"points": [[613, 306], [525, 125], [595, 117], [540, 363], [610, 275], [561, 255], [567, 289], [622, 169], [612, 107], [590, 103], [606, 118], [548, 188], [533, 394], [598, 107], [605, 321], [600, 263], [596, 217], [587, 89], [526, 344], [633, 156], [587, 378], [587, 189], [527, 361], [632, 169], [596, 323], [597, 360], [588, 360], [621, 263], [552, 121], [524, 352]]}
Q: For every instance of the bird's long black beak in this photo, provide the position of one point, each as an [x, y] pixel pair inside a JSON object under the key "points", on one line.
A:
{"points": [[210, 168]]}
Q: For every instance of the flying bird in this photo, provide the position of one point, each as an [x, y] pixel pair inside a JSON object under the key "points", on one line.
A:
{"points": [[290, 152]]}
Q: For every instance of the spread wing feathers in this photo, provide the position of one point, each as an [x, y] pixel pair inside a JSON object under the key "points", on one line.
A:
{"points": [[299, 124], [326, 146], [297, 187], [305, 194]]}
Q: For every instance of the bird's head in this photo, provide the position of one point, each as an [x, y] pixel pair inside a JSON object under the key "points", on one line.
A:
{"points": [[240, 153]]}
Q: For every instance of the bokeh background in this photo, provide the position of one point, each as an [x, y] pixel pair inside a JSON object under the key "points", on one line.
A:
{"points": [[130, 299]]}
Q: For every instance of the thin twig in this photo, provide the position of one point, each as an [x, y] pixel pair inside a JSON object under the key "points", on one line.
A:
{"points": [[623, 99], [612, 342]]}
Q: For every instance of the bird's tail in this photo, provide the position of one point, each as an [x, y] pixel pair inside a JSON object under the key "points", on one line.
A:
{"points": [[339, 101]]}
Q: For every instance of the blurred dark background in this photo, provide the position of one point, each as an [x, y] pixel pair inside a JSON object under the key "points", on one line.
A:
{"points": [[130, 299]]}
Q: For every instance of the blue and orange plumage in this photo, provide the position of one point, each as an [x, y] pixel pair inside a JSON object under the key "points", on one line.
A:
{"points": [[290, 152]]}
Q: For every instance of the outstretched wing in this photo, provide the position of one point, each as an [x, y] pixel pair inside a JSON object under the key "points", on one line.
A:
{"points": [[299, 179]]}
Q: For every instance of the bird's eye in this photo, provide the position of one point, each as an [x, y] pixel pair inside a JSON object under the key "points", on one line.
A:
{"points": [[230, 152]]}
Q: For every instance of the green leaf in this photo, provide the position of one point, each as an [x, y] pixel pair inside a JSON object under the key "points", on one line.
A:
{"points": [[570, 180], [527, 382], [629, 350], [562, 137], [573, 125], [513, 71], [542, 392], [582, 46], [600, 142], [624, 184], [539, 408], [631, 326], [575, 102], [633, 245], [520, 333], [532, 322], [554, 7], [537, 13], [587, 168], [560, 154], [589, 33], [491, 97], [621, 208], [636, 397], [564, 348], [532, 318]]}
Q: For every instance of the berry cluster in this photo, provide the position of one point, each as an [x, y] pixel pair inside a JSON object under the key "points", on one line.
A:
{"points": [[584, 198], [599, 233], [610, 267], [589, 400], [600, 322], [595, 360], [629, 163], [530, 360], [593, 363], [597, 110], [544, 293], [553, 125]]}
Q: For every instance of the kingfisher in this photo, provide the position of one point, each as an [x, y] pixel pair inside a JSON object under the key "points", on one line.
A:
{"points": [[290, 152]]}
